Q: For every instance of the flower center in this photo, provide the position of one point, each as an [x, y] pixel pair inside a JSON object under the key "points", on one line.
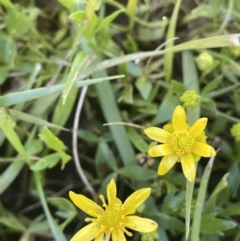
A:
{"points": [[182, 142], [112, 216]]}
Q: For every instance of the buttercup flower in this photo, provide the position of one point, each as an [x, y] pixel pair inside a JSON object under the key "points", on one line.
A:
{"points": [[114, 219], [181, 143]]}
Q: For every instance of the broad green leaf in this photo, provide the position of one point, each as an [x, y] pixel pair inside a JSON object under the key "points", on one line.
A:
{"points": [[8, 50], [107, 20], [6, 125], [171, 223], [51, 140], [137, 139], [144, 87], [231, 210], [234, 181], [137, 173], [210, 224], [127, 95], [78, 62], [22, 96]]}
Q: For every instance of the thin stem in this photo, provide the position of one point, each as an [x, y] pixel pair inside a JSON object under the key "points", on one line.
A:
{"points": [[124, 124], [200, 201], [74, 142]]}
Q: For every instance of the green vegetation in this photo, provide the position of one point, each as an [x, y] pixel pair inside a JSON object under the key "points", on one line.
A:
{"points": [[81, 80]]}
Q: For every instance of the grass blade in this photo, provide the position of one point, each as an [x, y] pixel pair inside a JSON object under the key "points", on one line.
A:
{"points": [[168, 57]]}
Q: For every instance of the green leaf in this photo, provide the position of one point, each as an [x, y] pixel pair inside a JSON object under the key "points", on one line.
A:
{"points": [[211, 203], [171, 223], [3, 74], [107, 20], [212, 85], [87, 136], [210, 224], [51, 140], [108, 155], [144, 87], [17, 22], [69, 4], [12, 222], [137, 173], [231, 210], [34, 147], [8, 50], [78, 17], [137, 140], [38, 225], [6, 124], [32, 119], [22, 96], [170, 101], [127, 94], [168, 57], [65, 159], [39, 165]]}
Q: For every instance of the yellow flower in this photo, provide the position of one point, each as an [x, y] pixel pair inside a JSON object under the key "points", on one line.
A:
{"points": [[114, 219], [181, 143]]}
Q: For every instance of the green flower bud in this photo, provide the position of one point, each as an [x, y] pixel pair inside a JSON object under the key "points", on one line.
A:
{"points": [[190, 99], [235, 51], [204, 61], [235, 131]]}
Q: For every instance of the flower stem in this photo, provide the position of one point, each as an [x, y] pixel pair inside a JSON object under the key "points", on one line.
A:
{"points": [[200, 200]]}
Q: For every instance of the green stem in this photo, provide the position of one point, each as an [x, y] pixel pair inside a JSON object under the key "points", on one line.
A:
{"points": [[200, 201], [57, 233]]}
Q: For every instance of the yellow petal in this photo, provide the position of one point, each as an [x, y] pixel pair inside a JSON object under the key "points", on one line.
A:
{"points": [[179, 119], [203, 149], [157, 134], [188, 167], [85, 204], [87, 233], [118, 235], [196, 157], [160, 150], [111, 191], [135, 199], [143, 225], [167, 163], [198, 127], [103, 237]]}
